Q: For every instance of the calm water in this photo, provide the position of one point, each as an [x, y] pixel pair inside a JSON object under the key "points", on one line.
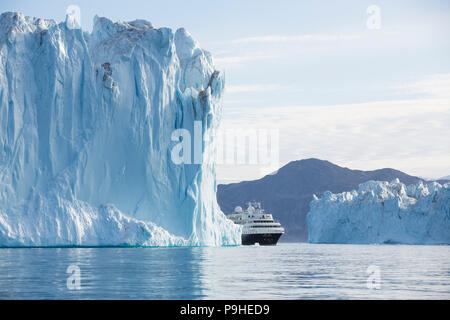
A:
{"points": [[287, 271]]}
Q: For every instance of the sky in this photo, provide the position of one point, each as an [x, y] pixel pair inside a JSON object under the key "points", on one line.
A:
{"points": [[336, 80]]}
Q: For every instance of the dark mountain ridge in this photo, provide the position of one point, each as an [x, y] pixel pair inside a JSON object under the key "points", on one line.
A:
{"points": [[287, 193]]}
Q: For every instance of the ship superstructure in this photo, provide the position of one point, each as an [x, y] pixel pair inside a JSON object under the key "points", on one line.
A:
{"points": [[258, 226]]}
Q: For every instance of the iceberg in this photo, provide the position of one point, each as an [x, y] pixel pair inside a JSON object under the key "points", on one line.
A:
{"points": [[86, 134], [382, 212]]}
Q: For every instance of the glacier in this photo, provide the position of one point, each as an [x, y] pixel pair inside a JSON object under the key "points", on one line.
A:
{"points": [[382, 212], [86, 124]]}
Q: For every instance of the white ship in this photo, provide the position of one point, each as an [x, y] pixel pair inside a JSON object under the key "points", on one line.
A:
{"points": [[258, 226]]}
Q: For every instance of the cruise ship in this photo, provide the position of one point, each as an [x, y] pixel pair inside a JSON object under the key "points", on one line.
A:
{"points": [[258, 226]]}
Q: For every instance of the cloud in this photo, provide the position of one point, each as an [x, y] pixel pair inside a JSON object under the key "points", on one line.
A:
{"points": [[409, 135], [243, 54], [296, 38], [257, 88], [240, 59], [437, 85], [398, 39]]}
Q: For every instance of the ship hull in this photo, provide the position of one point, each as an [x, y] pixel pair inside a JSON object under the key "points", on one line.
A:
{"points": [[264, 239]]}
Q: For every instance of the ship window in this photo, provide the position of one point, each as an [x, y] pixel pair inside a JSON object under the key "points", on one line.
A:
{"points": [[264, 227]]}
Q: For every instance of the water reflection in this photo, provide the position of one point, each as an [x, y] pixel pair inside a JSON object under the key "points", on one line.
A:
{"points": [[106, 273], [287, 271], [304, 271]]}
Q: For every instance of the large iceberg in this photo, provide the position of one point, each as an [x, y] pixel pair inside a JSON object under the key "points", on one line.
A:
{"points": [[382, 212], [86, 135]]}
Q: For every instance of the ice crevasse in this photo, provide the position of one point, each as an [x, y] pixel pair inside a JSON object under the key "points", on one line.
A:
{"points": [[86, 123], [382, 212]]}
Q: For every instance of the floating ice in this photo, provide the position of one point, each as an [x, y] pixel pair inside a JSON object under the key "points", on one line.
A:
{"points": [[85, 136], [382, 212]]}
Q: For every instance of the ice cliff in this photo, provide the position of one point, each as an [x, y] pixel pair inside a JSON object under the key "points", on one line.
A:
{"points": [[382, 212], [86, 123]]}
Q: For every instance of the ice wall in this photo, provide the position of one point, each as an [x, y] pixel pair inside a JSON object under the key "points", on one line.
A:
{"points": [[382, 212], [85, 136]]}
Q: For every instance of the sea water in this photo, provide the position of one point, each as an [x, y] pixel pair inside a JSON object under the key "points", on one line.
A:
{"points": [[285, 271]]}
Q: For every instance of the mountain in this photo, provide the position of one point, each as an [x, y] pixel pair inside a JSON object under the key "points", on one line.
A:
{"points": [[90, 129], [382, 212], [288, 193], [446, 178]]}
